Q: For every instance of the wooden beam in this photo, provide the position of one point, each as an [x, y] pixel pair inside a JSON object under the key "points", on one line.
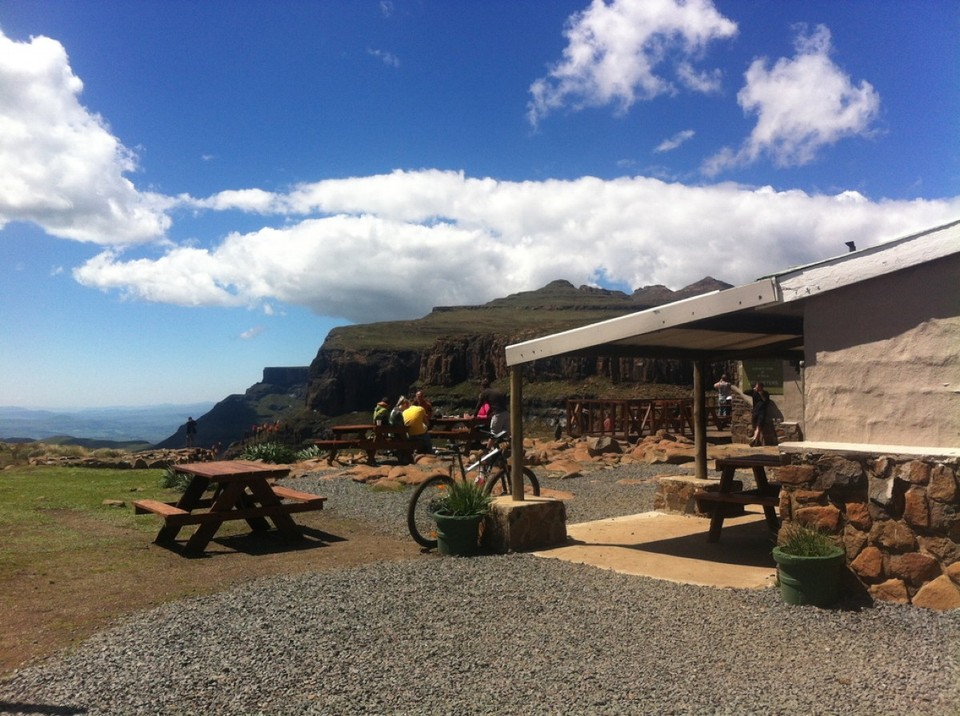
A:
{"points": [[516, 432], [699, 421]]}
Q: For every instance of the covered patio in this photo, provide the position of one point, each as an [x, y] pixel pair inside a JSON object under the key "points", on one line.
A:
{"points": [[872, 335], [745, 322]]}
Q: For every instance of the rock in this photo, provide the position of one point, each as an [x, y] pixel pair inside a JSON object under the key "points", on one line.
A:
{"points": [[869, 564], [826, 518], [914, 567], [943, 484], [535, 523], [941, 594], [858, 515], [113, 503], [893, 590], [564, 466]]}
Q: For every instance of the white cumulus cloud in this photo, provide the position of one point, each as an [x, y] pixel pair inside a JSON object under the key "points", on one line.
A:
{"points": [[628, 50], [60, 167], [802, 104], [393, 246]]}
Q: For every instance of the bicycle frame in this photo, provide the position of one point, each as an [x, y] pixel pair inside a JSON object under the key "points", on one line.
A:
{"points": [[493, 454]]}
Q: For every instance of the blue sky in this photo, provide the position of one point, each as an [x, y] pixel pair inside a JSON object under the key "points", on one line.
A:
{"points": [[191, 191]]}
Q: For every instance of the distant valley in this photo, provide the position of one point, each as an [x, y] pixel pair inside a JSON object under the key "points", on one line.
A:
{"points": [[150, 424]]}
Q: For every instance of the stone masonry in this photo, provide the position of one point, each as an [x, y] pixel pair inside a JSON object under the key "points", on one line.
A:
{"points": [[897, 516]]}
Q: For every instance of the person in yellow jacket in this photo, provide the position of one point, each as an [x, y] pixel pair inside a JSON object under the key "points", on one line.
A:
{"points": [[415, 418]]}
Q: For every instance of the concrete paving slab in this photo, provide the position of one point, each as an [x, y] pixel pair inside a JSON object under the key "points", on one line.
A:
{"points": [[674, 547]]}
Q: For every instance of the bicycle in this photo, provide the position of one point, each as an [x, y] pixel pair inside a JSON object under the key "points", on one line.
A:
{"points": [[492, 469]]}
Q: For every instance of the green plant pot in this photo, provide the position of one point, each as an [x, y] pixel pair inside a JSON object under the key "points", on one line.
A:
{"points": [[458, 535], [809, 580]]}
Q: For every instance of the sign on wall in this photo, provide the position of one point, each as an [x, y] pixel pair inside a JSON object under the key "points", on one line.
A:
{"points": [[768, 372]]}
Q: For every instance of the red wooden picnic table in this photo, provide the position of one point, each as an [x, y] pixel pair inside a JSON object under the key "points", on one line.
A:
{"points": [[242, 491]]}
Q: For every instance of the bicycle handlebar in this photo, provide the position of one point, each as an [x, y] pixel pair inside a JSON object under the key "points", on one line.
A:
{"points": [[495, 436]]}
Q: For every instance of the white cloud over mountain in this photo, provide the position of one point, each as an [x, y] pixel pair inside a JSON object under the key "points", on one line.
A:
{"points": [[393, 245]]}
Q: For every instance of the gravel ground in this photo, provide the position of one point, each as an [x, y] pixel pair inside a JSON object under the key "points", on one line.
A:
{"points": [[597, 494], [511, 634]]}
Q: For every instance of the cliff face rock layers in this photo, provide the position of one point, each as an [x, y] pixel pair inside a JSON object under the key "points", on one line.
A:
{"points": [[359, 365]]}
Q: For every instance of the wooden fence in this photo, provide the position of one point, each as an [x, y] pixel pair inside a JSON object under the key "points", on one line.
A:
{"points": [[634, 419]]}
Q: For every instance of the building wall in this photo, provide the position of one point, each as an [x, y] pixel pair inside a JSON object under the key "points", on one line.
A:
{"points": [[883, 359], [896, 516]]}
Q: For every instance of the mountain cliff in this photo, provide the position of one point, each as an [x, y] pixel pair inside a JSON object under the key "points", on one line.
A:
{"points": [[447, 353]]}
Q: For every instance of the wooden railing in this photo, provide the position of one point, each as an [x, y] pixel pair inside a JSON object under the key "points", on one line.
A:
{"points": [[633, 419]]}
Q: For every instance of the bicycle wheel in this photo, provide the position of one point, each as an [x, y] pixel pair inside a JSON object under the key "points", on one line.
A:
{"points": [[499, 482], [422, 527]]}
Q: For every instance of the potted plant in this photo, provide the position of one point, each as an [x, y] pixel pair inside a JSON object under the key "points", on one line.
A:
{"points": [[808, 565], [458, 515]]}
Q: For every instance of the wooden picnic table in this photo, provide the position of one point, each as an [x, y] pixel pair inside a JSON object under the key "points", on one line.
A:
{"points": [[452, 422], [766, 494], [371, 439], [458, 430], [242, 492], [346, 437]]}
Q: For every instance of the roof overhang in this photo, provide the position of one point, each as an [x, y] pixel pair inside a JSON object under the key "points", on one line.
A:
{"points": [[763, 319], [740, 321]]}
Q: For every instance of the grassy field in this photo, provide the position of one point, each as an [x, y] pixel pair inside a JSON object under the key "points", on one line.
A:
{"points": [[70, 564], [64, 550]]}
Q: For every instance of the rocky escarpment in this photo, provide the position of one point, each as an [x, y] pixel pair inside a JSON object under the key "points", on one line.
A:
{"points": [[345, 380], [457, 345], [447, 352]]}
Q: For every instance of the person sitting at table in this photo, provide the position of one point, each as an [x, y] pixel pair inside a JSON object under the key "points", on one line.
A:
{"points": [[483, 413], [420, 399], [396, 415], [381, 412], [496, 403], [415, 418]]}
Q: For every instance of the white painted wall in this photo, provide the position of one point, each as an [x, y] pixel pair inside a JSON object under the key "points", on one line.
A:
{"points": [[883, 359]]}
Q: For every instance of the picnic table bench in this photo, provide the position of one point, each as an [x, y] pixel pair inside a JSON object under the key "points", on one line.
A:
{"points": [[766, 494], [242, 493], [371, 439]]}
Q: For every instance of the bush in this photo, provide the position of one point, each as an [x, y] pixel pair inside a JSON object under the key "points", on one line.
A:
{"points": [[172, 480], [462, 498], [802, 540], [269, 452], [309, 453]]}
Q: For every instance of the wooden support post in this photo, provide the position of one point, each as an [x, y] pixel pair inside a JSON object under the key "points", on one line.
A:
{"points": [[699, 421], [516, 432]]}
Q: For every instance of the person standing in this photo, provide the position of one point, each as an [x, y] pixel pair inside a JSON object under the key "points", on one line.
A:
{"points": [[724, 399], [758, 414], [191, 431]]}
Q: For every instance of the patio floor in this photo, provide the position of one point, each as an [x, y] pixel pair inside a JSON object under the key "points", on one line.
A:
{"points": [[674, 547]]}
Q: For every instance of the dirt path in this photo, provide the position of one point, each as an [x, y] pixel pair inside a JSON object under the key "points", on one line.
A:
{"points": [[57, 604]]}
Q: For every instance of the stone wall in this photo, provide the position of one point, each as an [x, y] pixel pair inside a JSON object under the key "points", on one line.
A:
{"points": [[897, 515]]}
